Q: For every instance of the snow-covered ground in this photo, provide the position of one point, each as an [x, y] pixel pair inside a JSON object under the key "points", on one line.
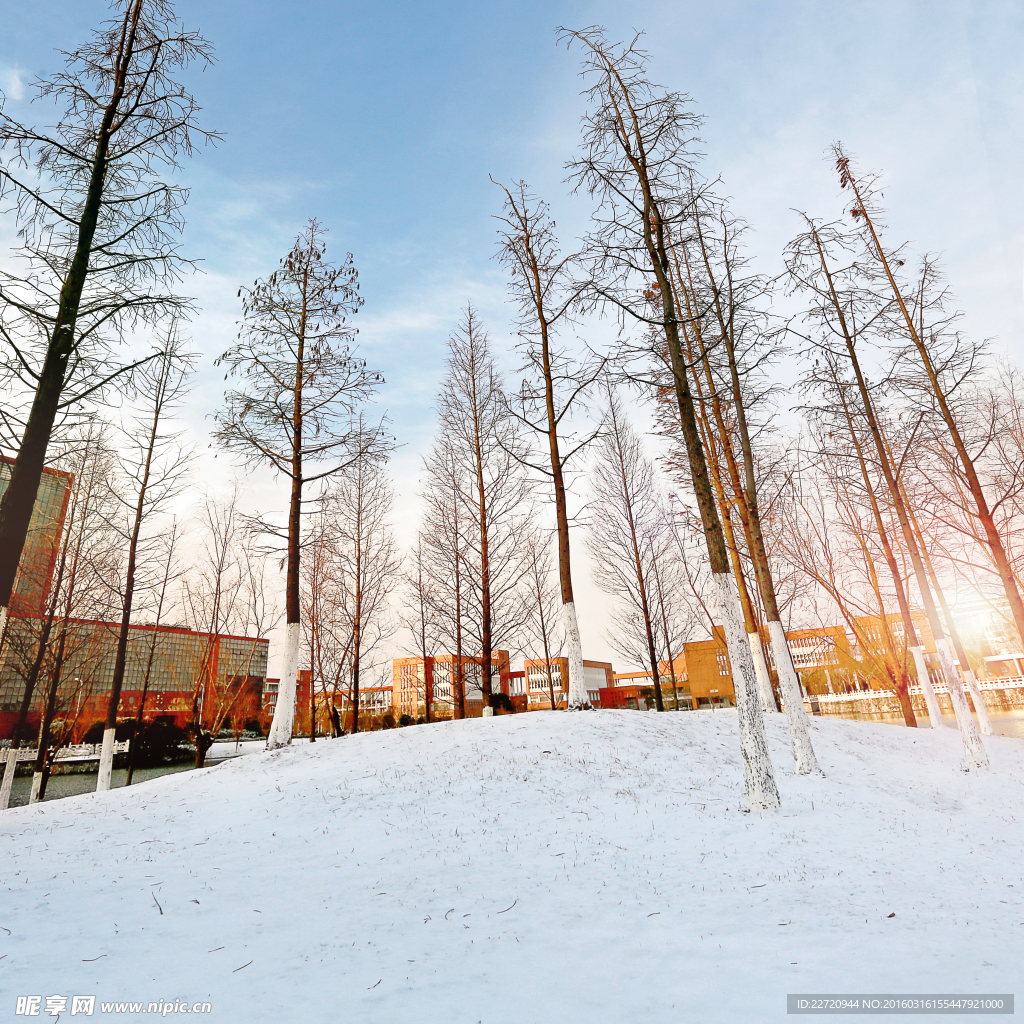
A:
{"points": [[529, 868]]}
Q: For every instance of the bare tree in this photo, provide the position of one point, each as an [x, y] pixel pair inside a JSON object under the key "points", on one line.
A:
{"points": [[154, 462], [89, 465], [637, 158], [542, 288], [89, 557], [809, 265], [170, 574], [626, 521], [739, 330], [300, 385], [545, 636], [941, 385], [98, 226], [328, 636], [419, 614], [364, 562], [477, 459], [448, 567], [215, 593]]}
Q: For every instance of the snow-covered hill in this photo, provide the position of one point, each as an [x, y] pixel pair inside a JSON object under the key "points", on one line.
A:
{"points": [[530, 868]]}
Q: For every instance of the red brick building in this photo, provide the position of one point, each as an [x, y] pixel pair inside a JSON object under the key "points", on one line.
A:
{"points": [[537, 683], [417, 680], [185, 675]]}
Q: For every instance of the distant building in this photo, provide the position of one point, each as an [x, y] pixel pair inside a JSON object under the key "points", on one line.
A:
{"points": [[39, 555], [536, 687], [374, 701], [190, 674], [416, 680]]}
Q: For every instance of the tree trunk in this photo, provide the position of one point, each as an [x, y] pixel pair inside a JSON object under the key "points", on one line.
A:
{"points": [[762, 792], [19, 498], [458, 672], [355, 679], [136, 739], [577, 698], [924, 680], [903, 695], [283, 724], [120, 659], [984, 722], [11, 764]]}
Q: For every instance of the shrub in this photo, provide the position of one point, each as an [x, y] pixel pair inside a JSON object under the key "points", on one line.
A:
{"points": [[124, 730], [501, 702], [161, 742]]}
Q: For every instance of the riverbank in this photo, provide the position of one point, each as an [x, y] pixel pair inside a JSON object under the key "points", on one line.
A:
{"points": [[64, 784], [73, 778]]}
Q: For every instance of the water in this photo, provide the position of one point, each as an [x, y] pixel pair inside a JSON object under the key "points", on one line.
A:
{"points": [[75, 783], [1005, 723]]}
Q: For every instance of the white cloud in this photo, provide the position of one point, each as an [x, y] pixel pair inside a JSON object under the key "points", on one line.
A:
{"points": [[12, 82]]}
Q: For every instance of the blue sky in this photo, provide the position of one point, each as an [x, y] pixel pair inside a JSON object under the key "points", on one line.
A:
{"points": [[384, 120]]}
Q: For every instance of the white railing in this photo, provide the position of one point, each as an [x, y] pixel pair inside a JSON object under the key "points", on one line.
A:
{"points": [[1004, 683], [75, 752]]}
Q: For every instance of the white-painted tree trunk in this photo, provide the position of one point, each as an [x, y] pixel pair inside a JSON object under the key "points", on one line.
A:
{"points": [[934, 711], [975, 755], [579, 699], [37, 785], [764, 680], [284, 711], [759, 778], [796, 713], [984, 722], [5, 787], [106, 761]]}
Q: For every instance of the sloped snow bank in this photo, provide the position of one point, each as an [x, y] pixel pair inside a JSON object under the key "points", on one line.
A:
{"points": [[547, 867]]}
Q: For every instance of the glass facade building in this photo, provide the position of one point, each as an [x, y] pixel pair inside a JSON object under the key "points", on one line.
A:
{"points": [[188, 673], [43, 541]]}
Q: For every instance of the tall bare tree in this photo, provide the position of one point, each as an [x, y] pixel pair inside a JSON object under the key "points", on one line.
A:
{"points": [[447, 566], [542, 287], [545, 637], [808, 263], [89, 465], [98, 226], [363, 561], [479, 454], [735, 301], [637, 159], [419, 614], [162, 598], [625, 527], [294, 408], [866, 211], [154, 462]]}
